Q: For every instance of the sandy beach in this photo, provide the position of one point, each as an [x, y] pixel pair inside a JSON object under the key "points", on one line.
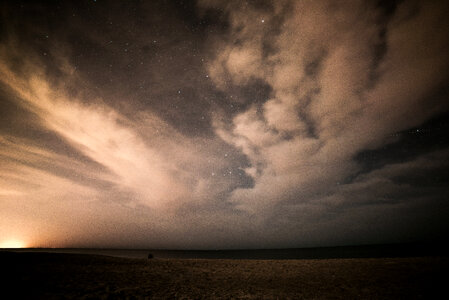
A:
{"points": [[59, 276]]}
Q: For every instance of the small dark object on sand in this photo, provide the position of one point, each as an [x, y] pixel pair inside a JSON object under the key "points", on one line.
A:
{"points": [[150, 256]]}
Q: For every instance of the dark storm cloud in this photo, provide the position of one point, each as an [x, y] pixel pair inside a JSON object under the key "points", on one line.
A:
{"points": [[224, 124]]}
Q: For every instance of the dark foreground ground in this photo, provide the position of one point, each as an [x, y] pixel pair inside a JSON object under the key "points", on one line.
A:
{"points": [[56, 276]]}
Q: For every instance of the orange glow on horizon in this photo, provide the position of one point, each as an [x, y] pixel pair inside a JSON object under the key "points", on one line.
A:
{"points": [[13, 244]]}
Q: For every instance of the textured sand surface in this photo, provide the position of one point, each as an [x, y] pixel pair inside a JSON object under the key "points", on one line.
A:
{"points": [[59, 276]]}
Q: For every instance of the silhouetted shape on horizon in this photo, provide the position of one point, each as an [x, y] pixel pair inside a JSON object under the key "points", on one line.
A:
{"points": [[150, 256]]}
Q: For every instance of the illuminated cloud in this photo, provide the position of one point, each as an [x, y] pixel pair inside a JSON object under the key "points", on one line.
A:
{"points": [[334, 95], [224, 124]]}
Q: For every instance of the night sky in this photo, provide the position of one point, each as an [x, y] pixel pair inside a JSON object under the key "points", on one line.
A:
{"points": [[223, 124]]}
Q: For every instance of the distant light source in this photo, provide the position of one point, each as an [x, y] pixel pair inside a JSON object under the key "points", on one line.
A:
{"points": [[12, 244]]}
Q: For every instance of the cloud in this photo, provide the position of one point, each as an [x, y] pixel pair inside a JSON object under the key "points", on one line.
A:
{"points": [[326, 103], [253, 139], [130, 163]]}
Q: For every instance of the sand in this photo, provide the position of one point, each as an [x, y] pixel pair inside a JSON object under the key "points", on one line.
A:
{"points": [[59, 276]]}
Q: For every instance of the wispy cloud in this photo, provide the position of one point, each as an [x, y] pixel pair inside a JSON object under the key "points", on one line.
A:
{"points": [[253, 145]]}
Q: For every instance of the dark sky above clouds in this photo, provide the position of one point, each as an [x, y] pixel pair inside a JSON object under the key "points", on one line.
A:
{"points": [[223, 124]]}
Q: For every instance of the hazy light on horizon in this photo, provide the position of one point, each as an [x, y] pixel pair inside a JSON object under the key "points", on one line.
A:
{"points": [[13, 244]]}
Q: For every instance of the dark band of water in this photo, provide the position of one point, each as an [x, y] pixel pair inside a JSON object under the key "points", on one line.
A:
{"points": [[365, 251]]}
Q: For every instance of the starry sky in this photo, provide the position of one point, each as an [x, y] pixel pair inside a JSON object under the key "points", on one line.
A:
{"points": [[223, 124]]}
